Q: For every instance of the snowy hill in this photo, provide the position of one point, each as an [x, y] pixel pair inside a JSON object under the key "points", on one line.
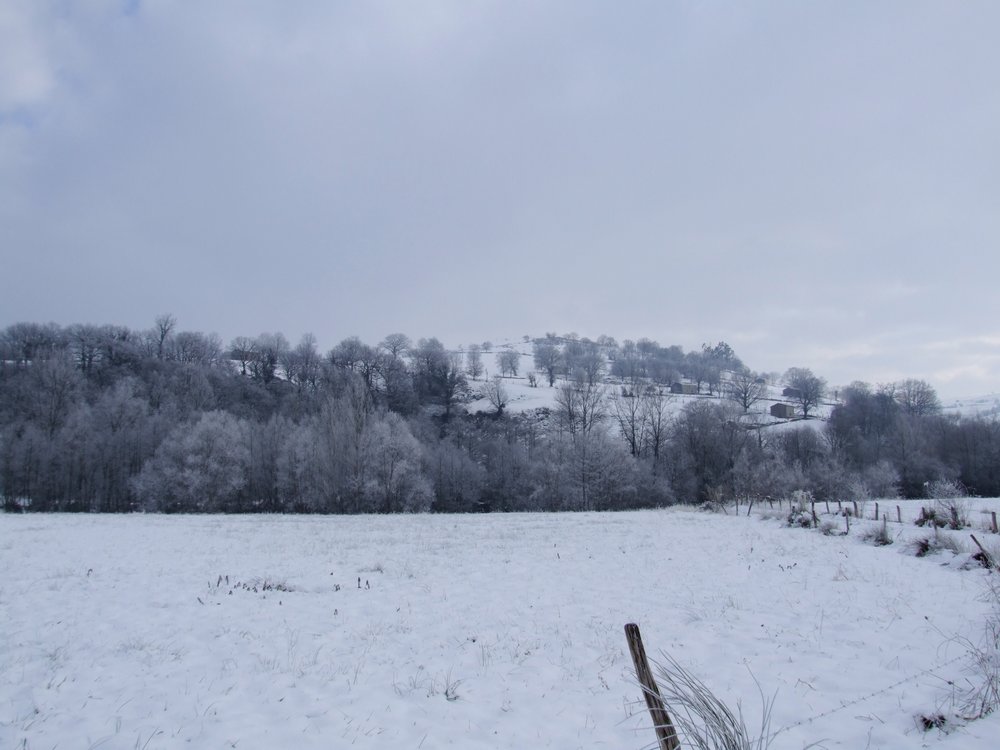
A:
{"points": [[525, 395]]}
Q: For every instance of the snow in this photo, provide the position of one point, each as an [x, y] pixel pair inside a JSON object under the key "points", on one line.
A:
{"points": [[987, 405], [496, 631]]}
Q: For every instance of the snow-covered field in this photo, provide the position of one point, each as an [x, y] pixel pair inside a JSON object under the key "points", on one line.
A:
{"points": [[500, 631]]}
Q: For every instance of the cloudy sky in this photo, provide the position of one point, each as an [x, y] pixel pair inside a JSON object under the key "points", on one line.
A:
{"points": [[817, 184]]}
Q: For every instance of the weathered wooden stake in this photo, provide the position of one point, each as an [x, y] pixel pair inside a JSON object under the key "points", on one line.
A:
{"points": [[899, 514], [827, 507], [666, 735], [876, 511], [990, 562], [995, 523], [855, 508], [750, 507], [847, 520]]}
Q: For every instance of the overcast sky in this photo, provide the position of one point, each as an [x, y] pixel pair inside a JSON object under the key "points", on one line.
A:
{"points": [[817, 184]]}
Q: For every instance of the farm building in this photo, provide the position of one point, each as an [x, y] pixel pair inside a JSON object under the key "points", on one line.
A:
{"points": [[782, 411], [688, 389], [791, 393]]}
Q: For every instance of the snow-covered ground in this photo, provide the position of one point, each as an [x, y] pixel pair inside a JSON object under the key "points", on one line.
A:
{"points": [[987, 405], [500, 631], [525, 397]]}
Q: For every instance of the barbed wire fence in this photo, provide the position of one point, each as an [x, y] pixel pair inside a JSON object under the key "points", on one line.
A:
{"points": [[930, 671]]}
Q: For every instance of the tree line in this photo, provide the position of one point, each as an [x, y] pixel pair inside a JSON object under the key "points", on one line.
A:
{"points": [[109, 419]]}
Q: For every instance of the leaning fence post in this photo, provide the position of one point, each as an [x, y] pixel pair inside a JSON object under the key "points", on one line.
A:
{"points": [[899, 514], [666, 735], [988, 560], [994, 513]]}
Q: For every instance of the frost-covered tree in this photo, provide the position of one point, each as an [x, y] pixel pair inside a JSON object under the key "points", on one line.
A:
{"points": [[580, 408], [630, 417], [393, 459], [547, 359], [745, 388], [496, 393], [198, 468], [917, 397], [809, 389], [509, 360], [163, 328], [474, 361]]}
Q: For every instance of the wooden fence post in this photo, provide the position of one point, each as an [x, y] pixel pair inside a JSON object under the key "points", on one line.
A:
{"points": [[855, 508], [988, 561], [899, 514], [876, 511], [666, 735], [995, 522]]}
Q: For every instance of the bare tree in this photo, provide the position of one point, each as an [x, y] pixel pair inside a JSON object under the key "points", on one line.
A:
{"points": [[809, 389], [746, 388], [580, 409], [396, 344], [163, 327], [547, 359], [508, 361], [85, 345], [656, 419], [303, 363], [496, 394], [591, 363], [917, 397], [243, 350], [474, 361], [195, 347], [626, 408], [270, 351]]}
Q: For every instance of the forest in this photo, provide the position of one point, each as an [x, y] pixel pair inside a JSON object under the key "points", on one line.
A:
{"points": [[109, 419]]}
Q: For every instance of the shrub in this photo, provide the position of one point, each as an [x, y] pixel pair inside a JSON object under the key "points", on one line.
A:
{"points": [[799, 517], [944, 489], [878, 535], [829, 528], [955, 512], [933, 544], [983, 697], [929, 517], [702, 720]]}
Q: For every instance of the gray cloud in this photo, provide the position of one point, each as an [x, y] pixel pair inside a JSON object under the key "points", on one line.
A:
{"points": [[814, 183]]}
